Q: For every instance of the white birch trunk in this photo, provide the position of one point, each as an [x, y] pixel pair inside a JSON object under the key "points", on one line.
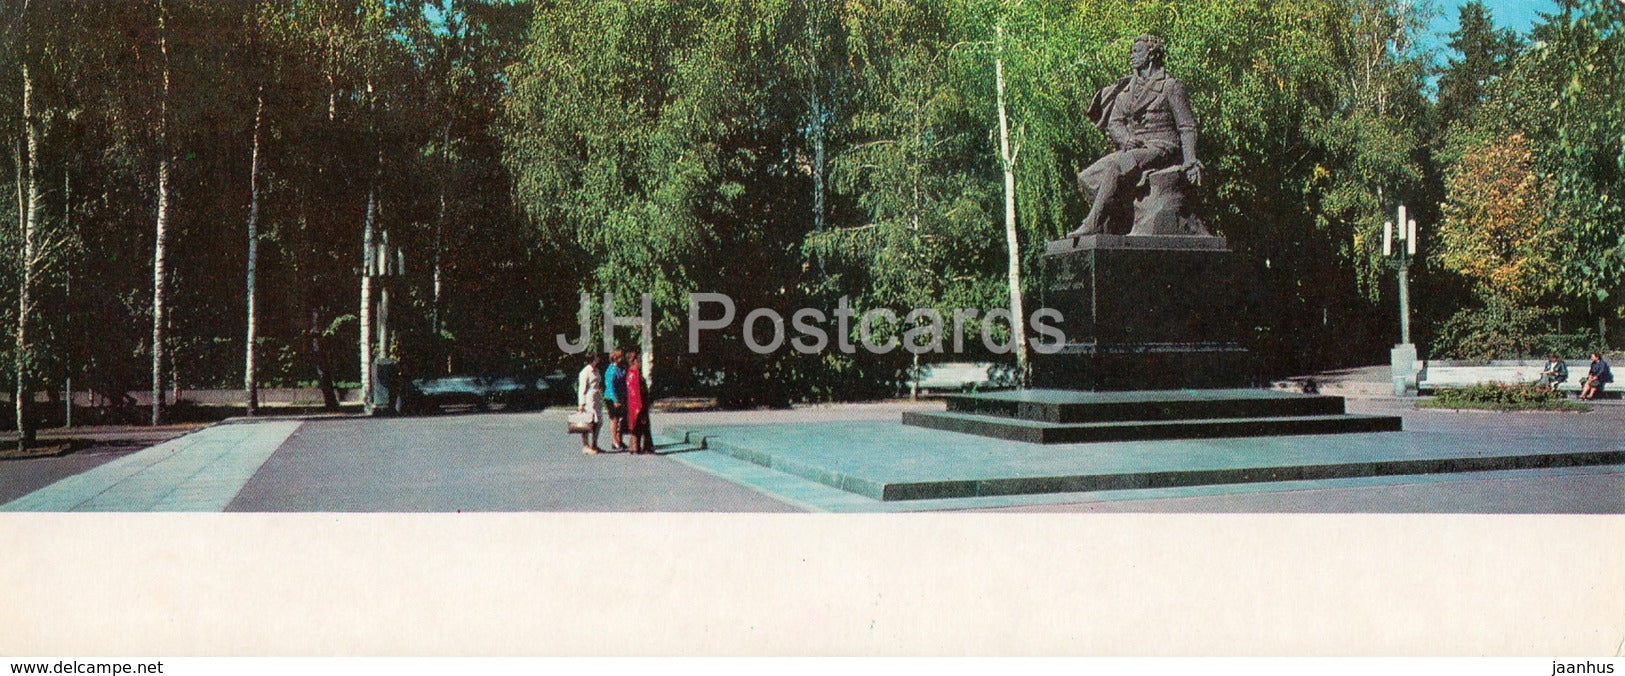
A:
{"points": [[67, 294], [31, 222], [251, 391], [367, 263], [815, 81], [914, 380], [384, 271], [174, 364], [440, 227], [1018, 318], [161, 232]]}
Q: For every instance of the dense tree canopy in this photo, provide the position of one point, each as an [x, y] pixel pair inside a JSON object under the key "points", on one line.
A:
{"points": [[788, 153], [1547, 135]]}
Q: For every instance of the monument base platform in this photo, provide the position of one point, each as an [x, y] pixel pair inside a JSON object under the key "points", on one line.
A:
{"points": [[1066, 416], [870, 465]]}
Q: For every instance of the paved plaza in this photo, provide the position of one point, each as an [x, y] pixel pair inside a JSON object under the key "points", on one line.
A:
{"points": [[523, 462]]}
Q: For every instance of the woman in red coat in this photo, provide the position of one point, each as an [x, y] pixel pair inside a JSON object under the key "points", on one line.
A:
{"points": [[637, 407]]}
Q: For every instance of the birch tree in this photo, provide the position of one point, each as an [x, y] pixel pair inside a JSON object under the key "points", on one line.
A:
{"points": [[41, 244], [160, 276], [1012, 243], [251, 392], [29, 259]]}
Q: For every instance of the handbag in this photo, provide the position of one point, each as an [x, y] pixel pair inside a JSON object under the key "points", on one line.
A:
{"points": [[578, 422]]}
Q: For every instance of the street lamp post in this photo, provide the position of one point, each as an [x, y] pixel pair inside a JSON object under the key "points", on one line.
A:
{"points": [[1403, 358]]}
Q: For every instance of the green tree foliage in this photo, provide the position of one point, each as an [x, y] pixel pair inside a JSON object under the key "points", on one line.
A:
{"points": [[1495, 230], [919, 166], [95, 69], [1582, 51], [1538, 172], [656, 144], [1310, 109], [1485, 53]]}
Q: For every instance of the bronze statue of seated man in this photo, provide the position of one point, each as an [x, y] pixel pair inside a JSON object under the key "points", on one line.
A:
{"points": [[1149, 118]]}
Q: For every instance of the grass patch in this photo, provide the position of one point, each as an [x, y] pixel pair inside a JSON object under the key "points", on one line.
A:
{"points": [[47, 448], [1565, 405], [1501, 397], [685, 404]]}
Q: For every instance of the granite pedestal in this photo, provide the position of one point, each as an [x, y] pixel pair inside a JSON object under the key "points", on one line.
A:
{"points": [[1145, 313]]}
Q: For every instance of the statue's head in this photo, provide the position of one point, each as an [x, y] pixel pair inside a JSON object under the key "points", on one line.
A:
{"points": [[1147, 50]]}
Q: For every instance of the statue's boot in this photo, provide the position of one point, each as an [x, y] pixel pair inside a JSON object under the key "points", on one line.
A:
{"points": [[1091, 223], [1086, 229]]}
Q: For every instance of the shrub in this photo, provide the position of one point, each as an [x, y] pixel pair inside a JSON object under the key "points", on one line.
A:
{"points": [[1507, 332], [1503, 397]]}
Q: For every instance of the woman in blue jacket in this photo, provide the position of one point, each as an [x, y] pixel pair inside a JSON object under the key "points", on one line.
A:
{"points": [[1596, 378]]}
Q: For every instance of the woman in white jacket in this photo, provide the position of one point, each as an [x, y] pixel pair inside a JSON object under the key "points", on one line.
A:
{"points": [[590, 399]]}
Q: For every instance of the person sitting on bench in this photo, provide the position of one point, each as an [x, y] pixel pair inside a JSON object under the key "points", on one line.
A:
{"points": [[1556, 373], [1596, 378]]}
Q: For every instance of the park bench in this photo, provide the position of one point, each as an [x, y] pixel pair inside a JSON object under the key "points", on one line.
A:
{"points": [[1451, 373], [963, 376]]}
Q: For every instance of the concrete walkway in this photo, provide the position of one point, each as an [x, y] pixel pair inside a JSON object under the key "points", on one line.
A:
{"points": [[510, 462], [200, 472], [488, 462]]}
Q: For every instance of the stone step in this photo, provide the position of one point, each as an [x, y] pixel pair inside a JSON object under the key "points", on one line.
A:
{"points": [[1070, 406], [676, 447], [1038, 432], [879, 461]]}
